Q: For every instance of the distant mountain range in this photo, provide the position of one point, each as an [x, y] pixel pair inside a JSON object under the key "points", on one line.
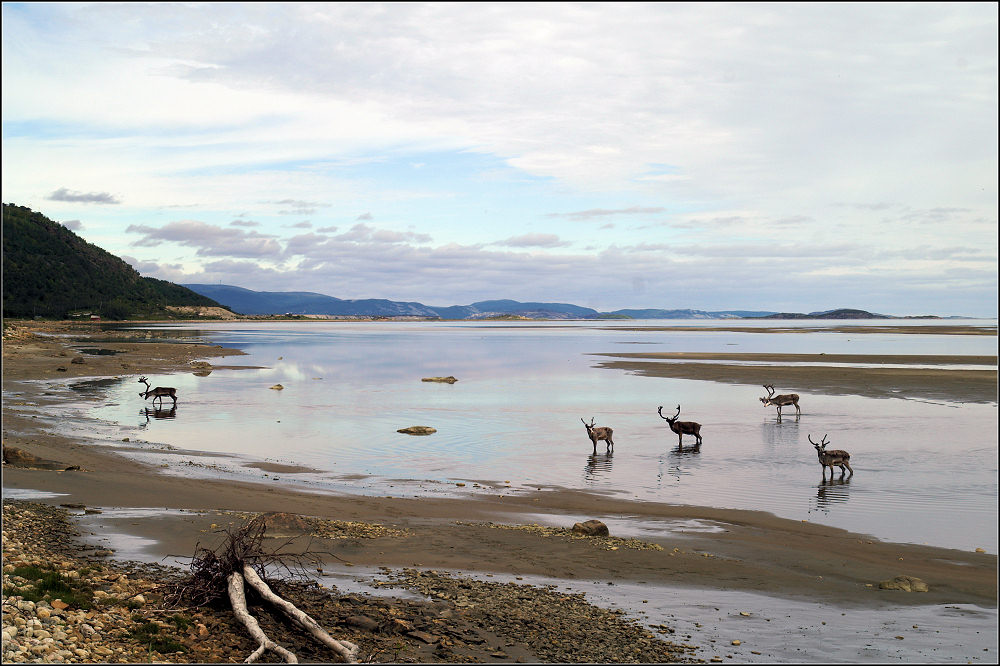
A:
{"points": [[249, 302], [50, 272]]}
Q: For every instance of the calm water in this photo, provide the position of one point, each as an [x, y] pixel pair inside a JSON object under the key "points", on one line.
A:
{"points": [[925, 472]]}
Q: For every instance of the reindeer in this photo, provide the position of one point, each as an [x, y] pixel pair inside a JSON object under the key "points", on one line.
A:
{"points": [[836, 457], [599, 433], [780, 401], [157, 393], [682, 427]]}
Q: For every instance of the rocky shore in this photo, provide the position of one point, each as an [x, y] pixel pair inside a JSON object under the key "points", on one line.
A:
{"points": [[60, 608]]}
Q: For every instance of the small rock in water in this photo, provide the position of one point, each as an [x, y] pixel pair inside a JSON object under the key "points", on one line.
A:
{"points": [[417, 430], [277, 387], [443, 380]]}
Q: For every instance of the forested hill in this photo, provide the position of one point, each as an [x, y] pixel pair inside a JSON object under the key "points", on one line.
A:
{"points": [[49, 271]]}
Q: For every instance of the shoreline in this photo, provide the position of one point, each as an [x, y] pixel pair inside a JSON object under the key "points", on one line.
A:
{"points": [[742, 552], [754, 550]]}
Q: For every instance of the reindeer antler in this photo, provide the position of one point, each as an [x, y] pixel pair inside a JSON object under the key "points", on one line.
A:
{"points": [[770, 389], [822, 443]]}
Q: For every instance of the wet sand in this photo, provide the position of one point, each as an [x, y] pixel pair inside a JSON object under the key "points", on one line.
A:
{"points": [[751, 551], [825, 373]]}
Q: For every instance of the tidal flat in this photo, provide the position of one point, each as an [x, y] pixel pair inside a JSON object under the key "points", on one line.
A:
{"points": [[794, 564]]}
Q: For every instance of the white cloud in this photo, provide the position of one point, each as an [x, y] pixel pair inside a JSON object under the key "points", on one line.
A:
{"points": [[860, 136]]}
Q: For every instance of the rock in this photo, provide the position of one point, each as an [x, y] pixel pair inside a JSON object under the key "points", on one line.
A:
{"points": [[281, 524], [21, 458], [904, 583], [442, 380], [78, 360], [417, 430], [362, 622], [591, 528], [277, 387]]}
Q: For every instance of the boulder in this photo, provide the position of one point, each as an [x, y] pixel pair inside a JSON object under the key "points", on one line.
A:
{"points": [[16, 457], [904, 583], [591, 528], [281, 524], [417, 430]]}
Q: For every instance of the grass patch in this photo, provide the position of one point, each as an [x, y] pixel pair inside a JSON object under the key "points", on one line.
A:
{"points": [[49, 585]]}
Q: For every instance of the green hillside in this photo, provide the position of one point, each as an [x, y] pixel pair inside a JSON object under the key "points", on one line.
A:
{"points": [[49, 271]]}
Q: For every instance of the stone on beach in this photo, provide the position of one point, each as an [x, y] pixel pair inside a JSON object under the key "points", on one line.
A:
{"points": [[443, 380], [904, 583], [591, 528]]}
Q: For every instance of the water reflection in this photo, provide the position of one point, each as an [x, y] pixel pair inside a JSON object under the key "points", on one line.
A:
{"points": [[598, 465], [157, 413], [778, 435], [830, 492]]}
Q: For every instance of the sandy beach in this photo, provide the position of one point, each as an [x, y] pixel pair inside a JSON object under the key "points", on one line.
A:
{"points": [[753, 551]]}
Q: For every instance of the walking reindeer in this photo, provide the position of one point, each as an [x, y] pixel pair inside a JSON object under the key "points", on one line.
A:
{"points": [[599, 433], [780, 401], [157, 393], [682, 427], [832, 458]]}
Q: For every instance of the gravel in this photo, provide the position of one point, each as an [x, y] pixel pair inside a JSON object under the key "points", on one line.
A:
{"points": [[107, 611]]}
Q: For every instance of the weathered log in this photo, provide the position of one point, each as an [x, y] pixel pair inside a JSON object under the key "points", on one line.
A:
{"points": [[238, 601], [347, 650]]}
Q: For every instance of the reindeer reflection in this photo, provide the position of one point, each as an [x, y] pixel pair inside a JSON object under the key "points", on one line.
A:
{"points": [[598, 464], [158, 413], [831, 491]]}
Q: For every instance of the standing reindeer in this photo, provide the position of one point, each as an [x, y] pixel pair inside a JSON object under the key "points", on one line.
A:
{"points": [[780, 401], [836, 457], [157, 393], [682, 427], [599, 433]]}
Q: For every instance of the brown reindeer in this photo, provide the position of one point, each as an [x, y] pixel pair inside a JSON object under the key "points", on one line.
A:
{"points": [[682, 427], [780, 401], [835, 457], [157, 393], [599, 433]]}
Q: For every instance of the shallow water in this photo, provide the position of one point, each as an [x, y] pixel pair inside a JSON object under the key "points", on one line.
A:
{"points": [[925, 472]]}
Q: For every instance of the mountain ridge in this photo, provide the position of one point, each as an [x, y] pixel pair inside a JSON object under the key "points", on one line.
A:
{"points": [[256, 303]]}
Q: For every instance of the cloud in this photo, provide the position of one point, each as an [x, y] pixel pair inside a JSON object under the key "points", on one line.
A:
{"points": [[63, 194], [298, 207], [534, 240], [210, 240], [73, 225], [302, 225], [364, 217], [244, 223], [362, 233], [602, 212]]}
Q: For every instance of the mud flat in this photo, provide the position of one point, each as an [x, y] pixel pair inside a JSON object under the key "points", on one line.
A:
{"points": [[874, 376]]}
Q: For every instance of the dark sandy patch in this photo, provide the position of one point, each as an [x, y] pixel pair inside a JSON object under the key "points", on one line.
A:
{"points": [[943, 329], [823, 375]]}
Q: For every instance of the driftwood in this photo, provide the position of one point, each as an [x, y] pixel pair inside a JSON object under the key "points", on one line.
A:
{"points": [[240, 560]]}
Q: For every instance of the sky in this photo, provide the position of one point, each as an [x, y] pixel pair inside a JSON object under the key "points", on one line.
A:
{"points": [[784, 157]]}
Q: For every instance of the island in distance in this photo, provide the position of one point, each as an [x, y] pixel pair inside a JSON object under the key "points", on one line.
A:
{"points": [[249, 302]]}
